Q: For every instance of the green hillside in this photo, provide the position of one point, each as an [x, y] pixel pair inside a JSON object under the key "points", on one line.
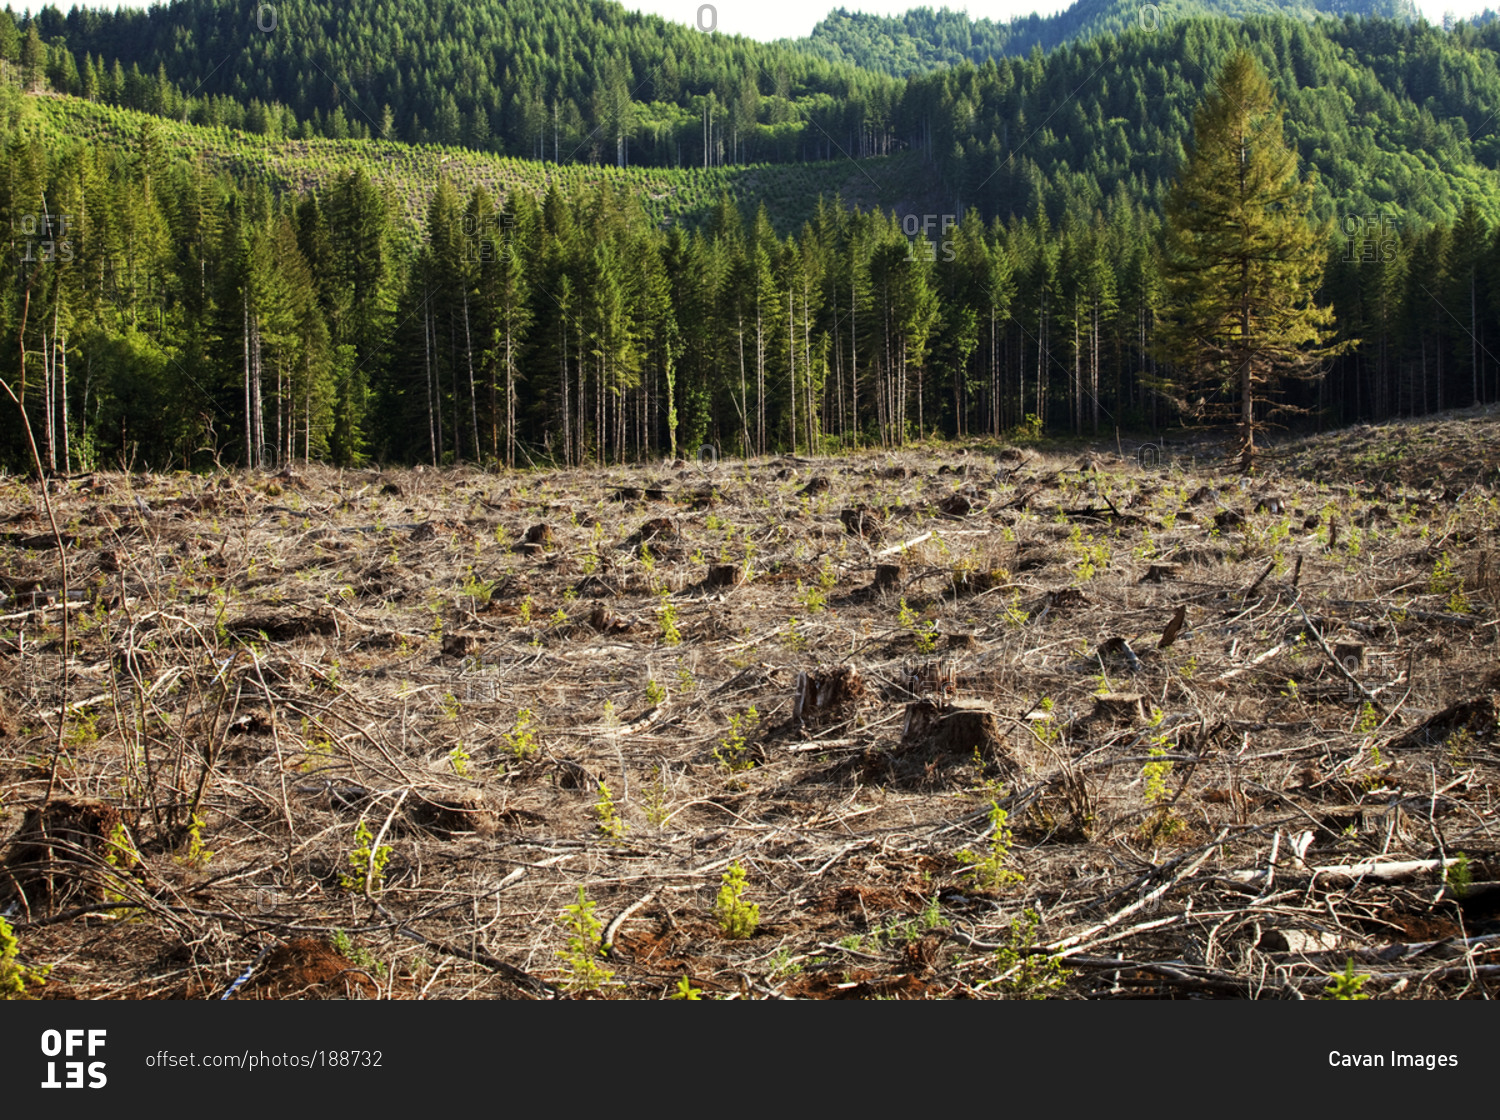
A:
{"points": [[1389, 113], [923, 39], [409, 174]]}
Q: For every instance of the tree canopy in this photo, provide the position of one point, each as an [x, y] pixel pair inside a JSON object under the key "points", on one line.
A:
{"points": [[1242, 262]]}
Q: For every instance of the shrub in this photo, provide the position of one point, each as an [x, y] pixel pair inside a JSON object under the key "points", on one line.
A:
{"points": [[989, 869], [731, 750], [1346, 984], [581, 970], [1024, 972], [737, 918], [521, 739], [15, 977], [367, 863], [610, 822]]}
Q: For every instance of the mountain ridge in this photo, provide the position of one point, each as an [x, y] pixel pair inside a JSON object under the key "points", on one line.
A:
{"points": [[924, 39]]}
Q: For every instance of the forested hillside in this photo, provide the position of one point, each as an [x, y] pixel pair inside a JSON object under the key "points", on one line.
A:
{"points": [[1388, 113], [563, 80], [923, 39], [186, 293]]}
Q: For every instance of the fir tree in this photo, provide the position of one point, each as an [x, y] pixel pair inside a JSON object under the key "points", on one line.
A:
{"points": [[1242, 260]]}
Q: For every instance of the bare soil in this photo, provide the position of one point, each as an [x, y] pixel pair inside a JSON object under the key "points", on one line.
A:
{"points": [[975, 721]]}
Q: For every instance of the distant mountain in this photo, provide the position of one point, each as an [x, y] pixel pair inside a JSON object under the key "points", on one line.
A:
{"points": [[1390, 112], [924, 39]]}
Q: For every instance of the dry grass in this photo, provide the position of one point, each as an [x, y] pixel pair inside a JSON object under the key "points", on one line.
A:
{"points": [[285, 657]]}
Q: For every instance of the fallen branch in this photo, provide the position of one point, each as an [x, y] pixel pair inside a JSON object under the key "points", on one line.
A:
{"points": [[1369, 869], [903, 545], [621, 918], [1369, 696]]}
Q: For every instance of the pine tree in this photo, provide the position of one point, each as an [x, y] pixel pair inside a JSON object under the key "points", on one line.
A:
{"points": [[1242, 262]]}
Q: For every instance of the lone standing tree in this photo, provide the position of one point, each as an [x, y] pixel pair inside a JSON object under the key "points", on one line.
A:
{"points": [[1242, 260]]}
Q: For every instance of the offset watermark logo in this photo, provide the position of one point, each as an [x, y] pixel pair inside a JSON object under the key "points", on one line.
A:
{"points": [[490, 238], [708, 457], [920, 245], [265, 17], [1369, 239], [479, 688], [74, 1072], [1149, 457], [708, 17], [44, 238], [1150, 17]]}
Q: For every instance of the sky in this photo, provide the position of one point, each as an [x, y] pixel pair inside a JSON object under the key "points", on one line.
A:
{"points": [[789, 19]]}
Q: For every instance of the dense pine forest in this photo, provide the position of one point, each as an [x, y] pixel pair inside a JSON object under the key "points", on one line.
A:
{"points": [[923, 39], [163, 309]]}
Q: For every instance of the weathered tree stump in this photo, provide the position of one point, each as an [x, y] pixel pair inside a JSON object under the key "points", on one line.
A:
{"points": [[307, 968], [1160, 573], [1117, 654], [447, 812], [656, 528], [460, 645], [1119, 707], [940, 735], [1228, 519], [826, 689], [861, 521], [605, 621], [724, 575], [975, 583], [1066, 597], [1351, 655], [887, 577], [956, 505], [62, 854]]}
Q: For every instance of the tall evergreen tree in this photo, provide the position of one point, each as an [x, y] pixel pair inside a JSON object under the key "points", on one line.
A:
{"points": [[1242, 260]]}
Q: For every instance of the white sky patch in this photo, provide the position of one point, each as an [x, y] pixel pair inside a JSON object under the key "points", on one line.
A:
{"points": [[768, 20]]}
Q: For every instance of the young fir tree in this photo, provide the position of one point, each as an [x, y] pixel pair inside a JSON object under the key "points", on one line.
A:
{"points": [[1242, 263]]}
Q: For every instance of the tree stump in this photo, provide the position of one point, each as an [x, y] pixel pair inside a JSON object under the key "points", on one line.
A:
{"points": [[307, 968], [887, 577], [861, 521], [956, 505], [1119, 707], [826, 689], [62, 852], [724, 575], [448, 812], [1351, 655], [942, 735], [460, 645], [657, 527]]}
